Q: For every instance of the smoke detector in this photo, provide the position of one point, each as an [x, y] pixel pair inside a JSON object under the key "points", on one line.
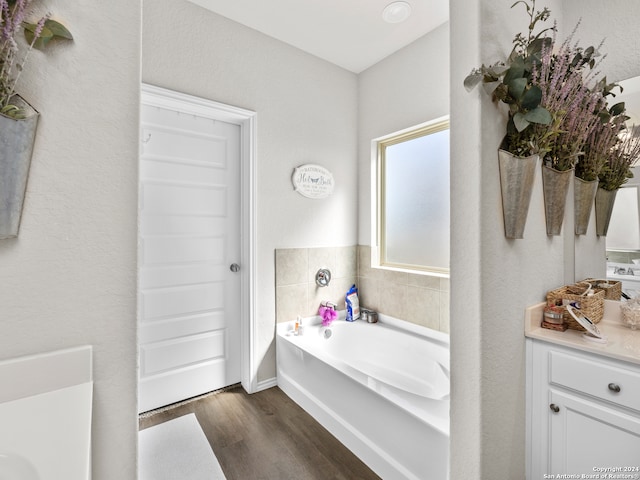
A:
{"points": [[396, 12]]}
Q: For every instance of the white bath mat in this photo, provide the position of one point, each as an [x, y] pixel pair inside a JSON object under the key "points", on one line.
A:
{"points": [[177, 450]]}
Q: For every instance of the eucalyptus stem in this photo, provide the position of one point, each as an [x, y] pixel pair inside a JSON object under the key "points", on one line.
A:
{"points": [[13, 53], [20, 66]]}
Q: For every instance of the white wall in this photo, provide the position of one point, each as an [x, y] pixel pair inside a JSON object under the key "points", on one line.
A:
{"points": [[493, 279], [306, 110], [505, 275], [615, 22], [500, 277], [70, 277], [466, 347], [405, 89]]}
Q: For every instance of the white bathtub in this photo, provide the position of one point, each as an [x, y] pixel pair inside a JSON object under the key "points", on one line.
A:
{"points": [[382, 389]]}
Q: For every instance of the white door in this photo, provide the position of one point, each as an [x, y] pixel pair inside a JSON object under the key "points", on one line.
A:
{"points": [[189, 246]]}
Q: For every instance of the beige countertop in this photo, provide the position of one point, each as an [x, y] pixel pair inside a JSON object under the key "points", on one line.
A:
{"points": [[622, 342]]}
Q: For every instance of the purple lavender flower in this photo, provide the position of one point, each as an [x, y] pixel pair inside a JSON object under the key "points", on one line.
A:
{"points": [[5, 25], [39, 26], [14, 53], [18, 13], [570, 94], [621, 158]]}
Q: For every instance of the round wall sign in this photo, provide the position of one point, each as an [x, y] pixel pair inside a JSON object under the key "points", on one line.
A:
{"points": [[312, 181]]}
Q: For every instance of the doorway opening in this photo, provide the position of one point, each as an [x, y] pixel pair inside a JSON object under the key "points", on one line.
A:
{"points": [[196, 256]]}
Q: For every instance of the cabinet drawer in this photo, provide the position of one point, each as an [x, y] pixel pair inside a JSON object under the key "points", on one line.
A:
{"points": [[596, 378]]}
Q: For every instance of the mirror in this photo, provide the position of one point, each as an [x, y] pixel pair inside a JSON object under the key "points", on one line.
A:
{"points": [[623, 237], [622, 243]]}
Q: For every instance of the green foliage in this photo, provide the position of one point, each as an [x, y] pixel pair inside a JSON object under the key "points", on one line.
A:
{"points": [[555, 106], [12, 111], [595, 161], [14, 51], [616, 168], [511, 83], [50, 31]]}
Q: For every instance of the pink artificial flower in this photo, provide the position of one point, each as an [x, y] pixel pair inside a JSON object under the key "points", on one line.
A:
{"points": [[328, 315]]}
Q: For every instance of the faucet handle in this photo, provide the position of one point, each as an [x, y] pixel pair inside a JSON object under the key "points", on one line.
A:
{"points": [[329, 304], [323, 277]]}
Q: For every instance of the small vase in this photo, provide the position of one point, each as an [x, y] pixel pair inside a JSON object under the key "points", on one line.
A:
{"points": [[584, 194], [516, 184], [604, 206], [16, 145], [555, 184]]}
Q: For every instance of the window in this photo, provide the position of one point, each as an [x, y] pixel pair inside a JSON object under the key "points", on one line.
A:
{"points": [[413, 198]]}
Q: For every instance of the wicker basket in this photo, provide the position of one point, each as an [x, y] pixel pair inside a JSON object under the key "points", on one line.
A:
{"points": [[591, 306], [614, 292]]}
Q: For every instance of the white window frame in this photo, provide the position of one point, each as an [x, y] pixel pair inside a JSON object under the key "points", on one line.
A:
{"points": [[378, 146]]}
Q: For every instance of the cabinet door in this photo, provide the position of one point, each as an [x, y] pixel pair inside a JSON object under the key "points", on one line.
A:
{"points": [[585, 434]]}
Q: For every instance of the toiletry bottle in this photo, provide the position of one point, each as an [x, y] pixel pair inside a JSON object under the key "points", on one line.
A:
{"points": [[300, 326], [296, 326]]}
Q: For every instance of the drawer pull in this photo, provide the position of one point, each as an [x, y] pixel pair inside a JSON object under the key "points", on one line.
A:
{"points": [[614, 387], [554, 407]]}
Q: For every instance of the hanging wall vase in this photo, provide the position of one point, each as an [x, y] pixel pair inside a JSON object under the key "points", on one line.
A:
{"points": [[516, 183], [16, 145], [555, 184], [584, 194], [604, 206]]}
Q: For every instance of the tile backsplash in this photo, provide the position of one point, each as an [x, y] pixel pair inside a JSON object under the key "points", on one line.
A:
{"points": [[296, 289], [416, 298]]}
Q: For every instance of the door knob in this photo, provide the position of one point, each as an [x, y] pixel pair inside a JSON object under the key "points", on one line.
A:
{"points": [[234, 267], [614, 387], [554, 407]]}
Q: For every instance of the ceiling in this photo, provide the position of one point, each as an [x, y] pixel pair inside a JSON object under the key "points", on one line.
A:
{"points": [[348, 33]]}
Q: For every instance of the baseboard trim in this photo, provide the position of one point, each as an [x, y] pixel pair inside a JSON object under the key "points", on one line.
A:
{"points": [[268, 383]]}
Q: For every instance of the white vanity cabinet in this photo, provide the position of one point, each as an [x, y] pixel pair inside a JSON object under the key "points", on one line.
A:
{"points": [[583, 413]]}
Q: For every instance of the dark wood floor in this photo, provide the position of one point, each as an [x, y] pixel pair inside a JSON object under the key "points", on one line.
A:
{"points": [[266, 436]]}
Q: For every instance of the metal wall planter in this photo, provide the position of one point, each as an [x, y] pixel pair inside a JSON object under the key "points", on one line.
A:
{"points": [[555, 184], [16, 146], [604, 206], [584, 194], [516, 183]]}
